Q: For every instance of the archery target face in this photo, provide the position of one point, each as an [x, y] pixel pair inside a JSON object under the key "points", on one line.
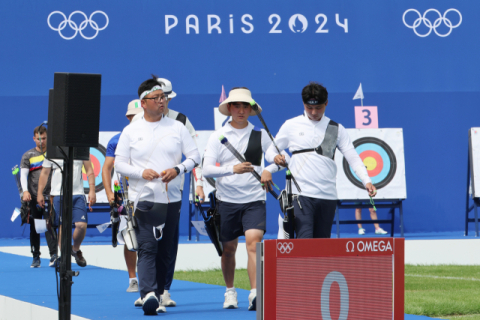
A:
{"points": [[378, 158], [381, 151], [97, 158]]}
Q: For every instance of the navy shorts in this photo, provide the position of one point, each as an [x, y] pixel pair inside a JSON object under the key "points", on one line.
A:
{"points": [[79, 209], [236, 218]]}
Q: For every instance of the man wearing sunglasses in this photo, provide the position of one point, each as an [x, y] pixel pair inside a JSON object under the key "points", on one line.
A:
{"points": [[312, 138]]}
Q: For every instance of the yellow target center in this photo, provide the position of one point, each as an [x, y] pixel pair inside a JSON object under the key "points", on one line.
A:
{"points": [[370, 163], [85, 172]]}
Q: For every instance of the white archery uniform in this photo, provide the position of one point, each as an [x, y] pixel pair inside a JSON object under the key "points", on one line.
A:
{"points": [[234, 188], [315, 174], [158, 146]]}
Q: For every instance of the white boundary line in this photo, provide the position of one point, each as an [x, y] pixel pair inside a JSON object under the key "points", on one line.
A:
{"points": [[440, 277], [15, 309]]}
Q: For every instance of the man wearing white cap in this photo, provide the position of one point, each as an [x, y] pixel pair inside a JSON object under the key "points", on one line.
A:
{"points": [[134, 107], [240, 197], [172, 114], [149, 152]]}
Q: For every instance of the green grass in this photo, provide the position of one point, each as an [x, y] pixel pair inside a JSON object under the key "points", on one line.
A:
{"points": [[443, 291], [447, 292], [214, 276]]}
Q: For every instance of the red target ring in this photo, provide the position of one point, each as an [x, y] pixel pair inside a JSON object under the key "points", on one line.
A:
{"points": [[96, 167], [373, 161]]}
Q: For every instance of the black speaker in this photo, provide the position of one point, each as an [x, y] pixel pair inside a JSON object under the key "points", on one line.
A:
{"points": [[76, 110], [53, 152]]}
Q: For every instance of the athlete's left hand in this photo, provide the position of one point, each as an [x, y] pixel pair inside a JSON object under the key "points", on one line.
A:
{"points": [[266, 180], [92, 199], [372, 191], [168, 175]]}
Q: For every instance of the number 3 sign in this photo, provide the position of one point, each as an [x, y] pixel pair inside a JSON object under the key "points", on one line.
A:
{"points": [[366, 117]]}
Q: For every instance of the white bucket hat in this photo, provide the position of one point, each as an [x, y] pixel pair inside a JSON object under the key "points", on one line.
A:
{"points": [[237, 95], [134, 107], [167, 87]]}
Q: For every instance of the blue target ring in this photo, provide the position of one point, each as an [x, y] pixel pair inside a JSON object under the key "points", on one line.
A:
{"points": [[384, 153]]}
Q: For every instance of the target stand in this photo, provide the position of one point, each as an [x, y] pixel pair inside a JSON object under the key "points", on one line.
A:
{"points": [[381, 151], [473, 178], [324, 279], [379, 204]]}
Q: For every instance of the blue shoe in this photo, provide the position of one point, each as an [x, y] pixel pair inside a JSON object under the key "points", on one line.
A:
{"points": [[36, 262]]}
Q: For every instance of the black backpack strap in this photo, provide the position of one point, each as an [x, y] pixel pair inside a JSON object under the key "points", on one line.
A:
{"points": [[182, 118], [253, 154]]}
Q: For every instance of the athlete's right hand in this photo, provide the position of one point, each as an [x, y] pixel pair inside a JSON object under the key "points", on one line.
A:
{"points": [[280, 160], [149, 174], [26, 196], [110, 196], [41, 200], [242, 168]]}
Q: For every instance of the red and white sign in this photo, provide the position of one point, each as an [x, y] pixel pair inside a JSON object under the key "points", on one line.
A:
{"points": [[334, 279]]}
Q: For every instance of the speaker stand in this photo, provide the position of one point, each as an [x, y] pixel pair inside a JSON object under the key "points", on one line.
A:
{"points": [[66, 273]]}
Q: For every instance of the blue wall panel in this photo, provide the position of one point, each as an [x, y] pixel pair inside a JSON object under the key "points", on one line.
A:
{"points": [[429, 86]]}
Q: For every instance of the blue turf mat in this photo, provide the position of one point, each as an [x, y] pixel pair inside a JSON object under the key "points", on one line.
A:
{"points": [[100, 293]]}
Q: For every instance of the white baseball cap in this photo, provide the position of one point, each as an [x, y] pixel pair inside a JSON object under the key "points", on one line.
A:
{"points": [[167, 87]]}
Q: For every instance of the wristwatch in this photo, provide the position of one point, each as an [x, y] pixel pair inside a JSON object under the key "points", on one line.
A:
{"points": [[176, 169]]}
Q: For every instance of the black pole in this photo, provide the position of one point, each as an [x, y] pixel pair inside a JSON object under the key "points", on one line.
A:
{"points": [[65, 300]]}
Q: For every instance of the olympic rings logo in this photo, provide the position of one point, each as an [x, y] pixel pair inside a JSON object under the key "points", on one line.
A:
{"points": [[435, 24], [285, 247], [75, 27]]}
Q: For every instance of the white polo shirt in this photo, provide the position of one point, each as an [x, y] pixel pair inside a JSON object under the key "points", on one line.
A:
{"points": [[57, 176], [235, 188], [158, 146], [315, 174]]}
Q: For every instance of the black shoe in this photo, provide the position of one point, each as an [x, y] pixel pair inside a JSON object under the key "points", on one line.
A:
{"points": [[79, 259], [36, 262]]}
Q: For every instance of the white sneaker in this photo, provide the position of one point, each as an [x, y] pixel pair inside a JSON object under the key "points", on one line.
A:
{"points": [[380, 231], [361, 231], [161, 309], [150, 304], [231, 301], [252, 301], [166, 299], [139, 302], [133, 286]]}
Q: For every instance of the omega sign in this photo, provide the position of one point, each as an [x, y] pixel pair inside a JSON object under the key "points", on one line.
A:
{"points": [[369, 246], [297, 23]]}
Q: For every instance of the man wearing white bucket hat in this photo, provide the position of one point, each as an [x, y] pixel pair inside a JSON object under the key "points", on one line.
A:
{"points": [[148, 152], [240, 197], [134, 107], [197, 173], [312, 139]]}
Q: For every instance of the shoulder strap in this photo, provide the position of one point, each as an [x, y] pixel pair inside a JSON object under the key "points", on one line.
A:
{"points": [[253, 154], [329, 144], [182, 118]]}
